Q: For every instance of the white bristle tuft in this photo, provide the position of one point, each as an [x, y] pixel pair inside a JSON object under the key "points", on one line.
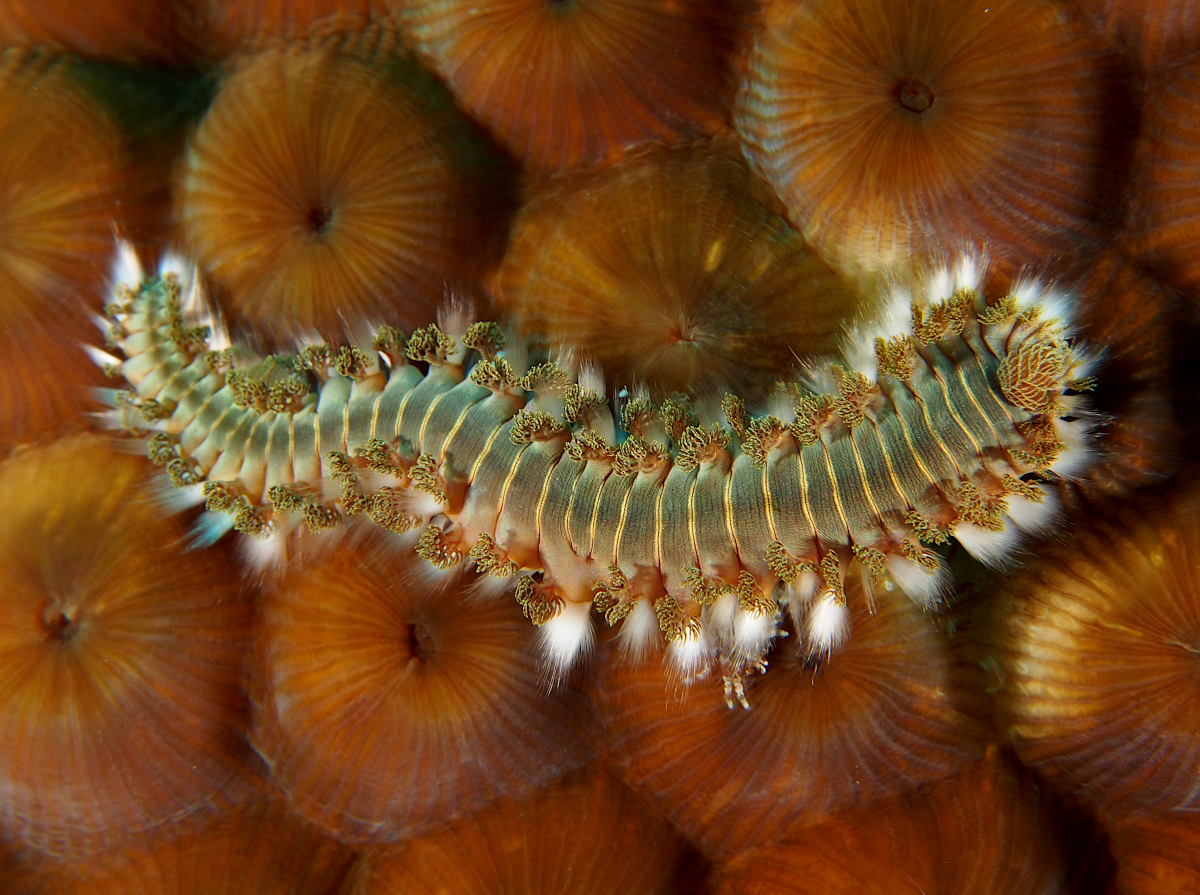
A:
{"points": [[1059, 306], [689, 655], [639, 633], [1027, 293], [798, 595], [992, 548], [1086, 361], [858, 350], [108, 420], [817, 376], [719, 616], [177, 500], [753, 631], [828, 625], [105, 396], [940, 285], [1077, 454], [101, 322], [926, 587], [895, 317], [591, 377], [1034, 517], [209, 528], [516, 352], [174, 263], [782, 405], [455, 316], [99, 357], [567, 636], [265, 554], [489, 589], [968, 273], [126, 268]]}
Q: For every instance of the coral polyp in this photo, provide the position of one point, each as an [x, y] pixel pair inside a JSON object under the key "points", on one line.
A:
{"points": [[944, 421], [57, 202], [386, 709], [676, 269], [120, 657], [564, 85], [915, 843], [1101, 646], [897, 127], [324, 184], [584, 835], [892, 698]]}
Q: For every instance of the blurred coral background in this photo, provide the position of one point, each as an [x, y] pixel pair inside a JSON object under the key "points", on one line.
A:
{"points": [[697, 195]]}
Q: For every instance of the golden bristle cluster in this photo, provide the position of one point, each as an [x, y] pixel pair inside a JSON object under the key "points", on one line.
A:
{"points": [[1099, 643], [120, 656], [891, 129], [565, 84], [676, 270], [891, 713], [585, 835], [989, 829], [388, 708], [321, 189]]}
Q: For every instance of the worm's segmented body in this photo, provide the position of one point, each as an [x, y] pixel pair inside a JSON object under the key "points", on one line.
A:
{"points": [[702, 534]]}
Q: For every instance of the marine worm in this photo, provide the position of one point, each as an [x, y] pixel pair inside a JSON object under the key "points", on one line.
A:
{"points": [[946, 420]]}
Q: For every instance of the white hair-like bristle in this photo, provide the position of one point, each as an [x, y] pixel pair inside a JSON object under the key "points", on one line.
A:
{"points": [[567, 636], [100, 357], [516, 352], [176, 500], [782, 405], [968, 273], [798, 594], [753, 631], [591, 377], [927, 587], [126, 268], [639, 633], [489, 589], [455, 315], [183, 269], [209, 528], [718, 617], [992, 548], [939, 285], [1077, 454], [1034, 517], [264, 554], [689, 655], [1052, 302], [817, 376], [828, 625], [858, 350], [1086, 361]]}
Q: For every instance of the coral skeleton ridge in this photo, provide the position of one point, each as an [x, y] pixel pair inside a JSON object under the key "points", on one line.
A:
{"points": [[946, 420]]}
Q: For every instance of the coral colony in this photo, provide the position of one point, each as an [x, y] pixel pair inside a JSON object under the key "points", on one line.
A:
{"points": [[607, 446]]}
